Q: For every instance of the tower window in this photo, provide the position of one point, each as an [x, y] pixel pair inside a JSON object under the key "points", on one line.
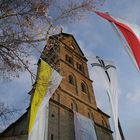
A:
{"points": [[80, 67], [52, 137], [71, 79], [69, 59], [84, 87]]}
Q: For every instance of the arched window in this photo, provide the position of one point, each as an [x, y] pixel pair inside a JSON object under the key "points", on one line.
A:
{"points": [[74, 106], [67, 57], [80, 67], [52, 137], [70, 60], [71, 79], [84, 87]]}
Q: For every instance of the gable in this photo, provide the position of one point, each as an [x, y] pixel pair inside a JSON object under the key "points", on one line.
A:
{"points": [[70, 42]]}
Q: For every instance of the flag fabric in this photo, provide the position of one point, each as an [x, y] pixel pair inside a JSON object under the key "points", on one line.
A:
{"points": [[47, 82], [131, 33], [84, 128], [106, 73]]}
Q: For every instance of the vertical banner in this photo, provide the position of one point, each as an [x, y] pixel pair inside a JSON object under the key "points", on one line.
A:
{"points": [[106, 72], [84, 128], [47, 82]]}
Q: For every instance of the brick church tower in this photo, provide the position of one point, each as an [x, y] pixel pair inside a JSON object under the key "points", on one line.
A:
{"points": [[74, 93]]}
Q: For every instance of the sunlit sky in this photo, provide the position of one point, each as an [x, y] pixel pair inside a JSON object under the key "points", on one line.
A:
{"points": [[95, 36]]}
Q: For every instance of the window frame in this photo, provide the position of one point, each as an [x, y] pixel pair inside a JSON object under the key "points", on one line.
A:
{"points": [[84, 87], [71, 80], [80, 67], [69, 59]]}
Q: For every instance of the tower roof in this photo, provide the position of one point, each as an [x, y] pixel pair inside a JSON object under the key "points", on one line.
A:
{"points": [[70, 35]]}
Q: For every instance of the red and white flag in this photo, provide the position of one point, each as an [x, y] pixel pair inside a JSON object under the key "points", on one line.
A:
{"points": [[131, 33]]}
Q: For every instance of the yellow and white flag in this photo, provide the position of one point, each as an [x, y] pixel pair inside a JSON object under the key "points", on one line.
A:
{"points": [[48, 81]]}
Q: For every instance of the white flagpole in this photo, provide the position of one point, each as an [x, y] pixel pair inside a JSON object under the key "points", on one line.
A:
{"points": [[126, 47]]}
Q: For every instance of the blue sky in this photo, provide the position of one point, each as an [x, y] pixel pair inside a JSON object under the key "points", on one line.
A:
{"points": [[96, 37]]}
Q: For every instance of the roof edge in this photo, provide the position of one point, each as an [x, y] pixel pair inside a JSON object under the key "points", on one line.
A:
{"points": [[103, 112]]}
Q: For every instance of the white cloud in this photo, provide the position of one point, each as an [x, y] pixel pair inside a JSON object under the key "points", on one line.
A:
{"points": [[134, 97]]}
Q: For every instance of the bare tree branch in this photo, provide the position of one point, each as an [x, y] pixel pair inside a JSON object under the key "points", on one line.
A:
{"points": [[25, 24]]}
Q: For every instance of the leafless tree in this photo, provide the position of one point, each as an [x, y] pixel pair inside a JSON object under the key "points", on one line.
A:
{"points": [[24, 24], [7, 114]]}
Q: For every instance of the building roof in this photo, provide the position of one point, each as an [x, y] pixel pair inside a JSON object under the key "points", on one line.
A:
{"points": [[99, 110], [70, 35]]}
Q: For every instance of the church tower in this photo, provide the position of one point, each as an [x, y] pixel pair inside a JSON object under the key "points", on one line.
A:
{"points": [[75, 92]]}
